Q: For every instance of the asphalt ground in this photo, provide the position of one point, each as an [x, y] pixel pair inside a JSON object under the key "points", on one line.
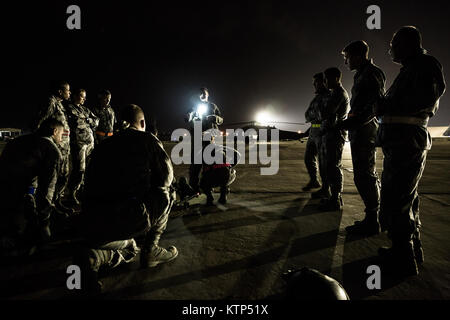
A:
{"points": [[241, 249]]}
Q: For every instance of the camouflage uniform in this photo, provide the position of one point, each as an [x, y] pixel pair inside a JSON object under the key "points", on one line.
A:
{"points": [[127, 192], [409, 103], [25, 161], [312, 155], [333, 112], [83, 124], [107, 123], [219, 175], [367, 91], [207, 123], [56, 109]]}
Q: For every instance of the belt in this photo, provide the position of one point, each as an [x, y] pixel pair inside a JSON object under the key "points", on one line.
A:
{"points": [[405, 120], [104, 134], [315, 125]]}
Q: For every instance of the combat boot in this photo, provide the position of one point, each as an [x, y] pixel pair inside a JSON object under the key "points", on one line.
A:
{"points": [[322, 193], [312, 184], [367, 227], [335, 203], [209, 199], [223, 195], [399, 259], [418, 251], [157, 255]]}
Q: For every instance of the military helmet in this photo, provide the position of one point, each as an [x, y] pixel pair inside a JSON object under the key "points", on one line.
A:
{"points": [[310, 284]]}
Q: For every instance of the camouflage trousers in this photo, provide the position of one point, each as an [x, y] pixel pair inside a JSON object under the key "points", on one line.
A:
{"points": [[63, 175], [331, 151], [365, 175], [79, 156], [399, 209], [313, 161]]}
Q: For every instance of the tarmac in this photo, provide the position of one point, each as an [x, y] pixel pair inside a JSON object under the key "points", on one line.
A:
{"points": [[240, 250]]}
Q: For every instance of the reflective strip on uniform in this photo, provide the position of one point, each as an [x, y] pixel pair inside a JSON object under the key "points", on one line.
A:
{"points": [[405, 120], [315, 125]]}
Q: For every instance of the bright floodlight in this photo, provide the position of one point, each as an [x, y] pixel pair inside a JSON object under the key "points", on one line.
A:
{"points": [[201, 109], [263, 118]]}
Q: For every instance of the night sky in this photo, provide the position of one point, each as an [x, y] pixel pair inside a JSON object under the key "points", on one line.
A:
{"points": [[251, 55]]}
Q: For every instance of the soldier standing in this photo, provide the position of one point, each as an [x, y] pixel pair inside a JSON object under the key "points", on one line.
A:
{"points": [[106, 116], [312, 161], [26, 210], [409, 103], [362, 125], [83, 124], [55, 109], [333, 112], [210, 116]]}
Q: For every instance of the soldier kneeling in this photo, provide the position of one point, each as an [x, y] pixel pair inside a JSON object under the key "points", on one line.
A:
{"points": [[127, 193], [220, 175]]}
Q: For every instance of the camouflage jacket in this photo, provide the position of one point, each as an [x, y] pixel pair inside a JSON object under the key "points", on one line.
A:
{"points": [[107, 119], [208, 122], [367, 92], [55, 109], [312, 114], [417, 88], [334, 111], [414, 93], [126, 171], [24, 160], [83, 123]]}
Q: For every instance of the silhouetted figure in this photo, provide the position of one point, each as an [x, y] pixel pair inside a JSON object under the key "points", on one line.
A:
{"points": [[209, 115], [127, 193], [332, 114], [409, 103], [220, 175], [362, 125], [313, 162]]}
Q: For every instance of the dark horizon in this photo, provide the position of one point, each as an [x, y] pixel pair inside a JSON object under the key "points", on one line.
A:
{"points": [[251, 55]]}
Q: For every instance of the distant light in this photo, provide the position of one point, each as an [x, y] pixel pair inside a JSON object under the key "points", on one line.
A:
{"points": [[201, 109], [263, 118], [299, 131]]}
